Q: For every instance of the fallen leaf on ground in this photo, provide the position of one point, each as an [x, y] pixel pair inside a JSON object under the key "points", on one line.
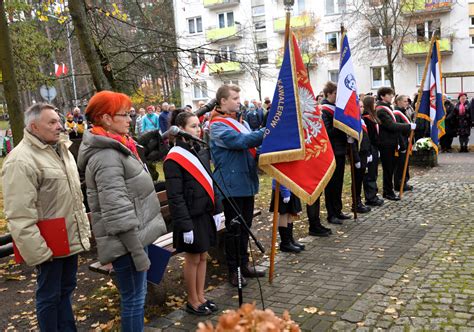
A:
{"points": [[311, 310], [390, 311]]}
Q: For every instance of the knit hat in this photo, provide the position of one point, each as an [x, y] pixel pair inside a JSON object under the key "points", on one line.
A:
{"points": [[462, 94], [150, 108]]}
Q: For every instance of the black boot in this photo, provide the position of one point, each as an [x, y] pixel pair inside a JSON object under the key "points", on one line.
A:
{"points": [[292, 239], [285, 244]]}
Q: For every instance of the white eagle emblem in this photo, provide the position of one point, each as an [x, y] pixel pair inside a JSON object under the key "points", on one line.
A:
{"points": [[311, 121]]}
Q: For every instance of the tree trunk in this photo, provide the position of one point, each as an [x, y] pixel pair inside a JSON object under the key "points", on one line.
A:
{"points": [[12, 95], [81, 29]]}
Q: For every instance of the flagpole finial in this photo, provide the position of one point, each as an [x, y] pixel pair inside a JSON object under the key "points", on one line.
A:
{"points": [[288, 4]]}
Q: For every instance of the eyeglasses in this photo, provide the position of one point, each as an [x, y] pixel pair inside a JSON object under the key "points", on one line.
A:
{"points": [[123, 114]]}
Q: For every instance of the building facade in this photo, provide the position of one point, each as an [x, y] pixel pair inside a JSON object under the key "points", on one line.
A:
{"points": [[241, 42]]}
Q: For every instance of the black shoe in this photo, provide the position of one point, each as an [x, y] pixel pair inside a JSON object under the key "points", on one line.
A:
{"points": [[211, 305], [391, 197], [326, 229], [289, 247], [252, 272], [320, 231], [361, 208], [343, 216], [376, 202], [202, 310], [408, 187], [292, 239], [334, 220], [234, 281]]}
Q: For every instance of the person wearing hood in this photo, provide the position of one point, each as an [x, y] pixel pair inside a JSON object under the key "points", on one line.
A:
{"points": [[126, 215]]}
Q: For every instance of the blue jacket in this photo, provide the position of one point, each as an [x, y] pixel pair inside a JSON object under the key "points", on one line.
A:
{"points": [[235, 168], [150, 123], [284, 191], [164, 121]]}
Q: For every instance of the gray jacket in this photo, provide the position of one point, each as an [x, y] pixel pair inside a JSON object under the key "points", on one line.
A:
{"points": [[126, 213]]}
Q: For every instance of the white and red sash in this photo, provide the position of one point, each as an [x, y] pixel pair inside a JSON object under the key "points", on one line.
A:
{"points": [[403, 116], [237, 126], [364, 126], [370, 119], [194, 167], [388, 110], [329, 108]]}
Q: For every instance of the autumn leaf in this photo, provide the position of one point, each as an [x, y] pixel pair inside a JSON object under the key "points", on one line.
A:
{"points": [[311, 310]]}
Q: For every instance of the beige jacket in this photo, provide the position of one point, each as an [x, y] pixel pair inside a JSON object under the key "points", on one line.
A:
{"points": [[39, 184]]}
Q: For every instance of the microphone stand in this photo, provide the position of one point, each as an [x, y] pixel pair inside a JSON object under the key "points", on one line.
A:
{"points": [[234, 224]]}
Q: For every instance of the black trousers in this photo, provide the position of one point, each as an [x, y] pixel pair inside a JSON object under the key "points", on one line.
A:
{"points": [[399, 165], [446, 141], [333, 191], [387, 155], [463, 140], [245, 206], [313, 214], [359, 178], [370, 178]]}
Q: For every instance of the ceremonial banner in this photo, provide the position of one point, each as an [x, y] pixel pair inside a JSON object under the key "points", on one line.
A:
{"points": [[431, 102], [347, 115], [295, 133]]}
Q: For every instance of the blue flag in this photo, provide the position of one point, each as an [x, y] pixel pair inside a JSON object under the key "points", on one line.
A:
{"points": [[431, 101]]}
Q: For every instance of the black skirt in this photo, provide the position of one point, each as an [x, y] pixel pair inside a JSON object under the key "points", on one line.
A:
{"points": [[292, 207], [204, 236]]}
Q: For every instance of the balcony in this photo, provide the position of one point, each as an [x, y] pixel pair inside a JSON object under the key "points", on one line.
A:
{"points": [[219, 4], [297, 22], [420, 49], [230, 67], [426, 7], [227, 33], [305, 56]]}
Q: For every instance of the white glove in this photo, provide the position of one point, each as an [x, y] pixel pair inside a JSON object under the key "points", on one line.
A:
{"points": [[217, 220], [286, 199], [350, 139], [378, 153], [188, 237], [369, 159], [413, 126], [398, 147], [357, 165], [403, 151]]}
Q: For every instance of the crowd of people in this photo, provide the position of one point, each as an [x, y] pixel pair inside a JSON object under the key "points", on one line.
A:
{"points": [[42, 185]]}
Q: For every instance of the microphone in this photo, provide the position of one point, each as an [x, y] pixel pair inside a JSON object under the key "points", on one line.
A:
{"points": [[175, 131]]}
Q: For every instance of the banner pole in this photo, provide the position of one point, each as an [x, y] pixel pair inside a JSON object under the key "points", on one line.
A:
{"points": [[276, 206], [417, 107]]}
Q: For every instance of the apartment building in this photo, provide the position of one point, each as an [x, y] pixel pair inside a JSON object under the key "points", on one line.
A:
{"points": [[241, 41]]}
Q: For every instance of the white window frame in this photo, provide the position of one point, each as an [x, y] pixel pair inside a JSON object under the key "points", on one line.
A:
{"points": [[229, 52], [337, 8], [264, 23], [471, 41], [234, 82], [384, 81], [194, 20], [471, 21], [380, 39], [200, 57], [226, 22], [201, 88], [262, 53], [333, 71], [338, 41]]}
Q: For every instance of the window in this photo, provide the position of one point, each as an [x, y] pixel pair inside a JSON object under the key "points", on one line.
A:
{"points": [[425, 29], [332, 41], [375, 38], [472, 41], [197, 58], [258, 10], [235, 82], [226, 53], [379, 77], [335, 6], [200, 90], [471, 20], [260, 25], [262, 54], [195, 25], [333, 75], [299, 7], [420, 67], [226, 19]]}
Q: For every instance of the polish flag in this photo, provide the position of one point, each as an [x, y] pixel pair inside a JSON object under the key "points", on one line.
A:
{"points": [[203, 66]]}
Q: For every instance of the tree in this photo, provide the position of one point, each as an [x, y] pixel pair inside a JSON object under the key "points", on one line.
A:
{"points": [[10, 84], [382, 23]]}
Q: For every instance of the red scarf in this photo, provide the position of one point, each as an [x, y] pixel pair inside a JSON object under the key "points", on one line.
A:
{"points": [[462, 109], [124, 139]]}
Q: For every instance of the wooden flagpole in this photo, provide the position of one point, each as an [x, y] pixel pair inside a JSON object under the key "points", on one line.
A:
{"points": [[417, 107], [351, 153], [276, 200]]}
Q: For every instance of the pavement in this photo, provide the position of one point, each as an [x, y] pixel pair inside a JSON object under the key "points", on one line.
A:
{"points": [[407, 265]]}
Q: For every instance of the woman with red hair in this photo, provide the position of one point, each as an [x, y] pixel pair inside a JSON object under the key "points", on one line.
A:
{"points": [[126, 215]]}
